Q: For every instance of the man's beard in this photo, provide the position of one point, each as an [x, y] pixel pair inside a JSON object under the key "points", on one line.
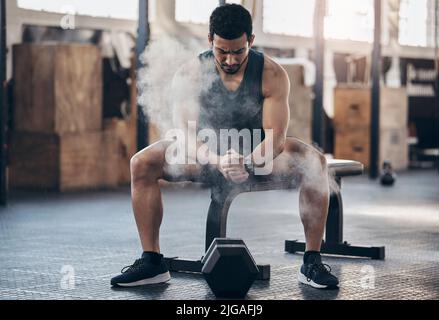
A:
{"points": [[231, 70]]}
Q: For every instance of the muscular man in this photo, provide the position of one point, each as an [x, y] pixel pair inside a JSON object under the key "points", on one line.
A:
{"points": [[248, 91]]}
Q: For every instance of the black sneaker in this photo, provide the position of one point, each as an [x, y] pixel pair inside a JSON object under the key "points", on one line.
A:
{"points": [[150, 269], [317, 274]]}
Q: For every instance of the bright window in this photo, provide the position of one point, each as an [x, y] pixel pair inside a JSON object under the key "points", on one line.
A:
{"points": [[127, 9], [350, 20], [289, 17], [196, 11], [413, 15], [346, 19]]}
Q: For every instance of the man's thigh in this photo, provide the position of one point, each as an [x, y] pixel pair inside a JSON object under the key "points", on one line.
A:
{"points": [[194, 172], [156, 156], [290, 164], [185, 172]]}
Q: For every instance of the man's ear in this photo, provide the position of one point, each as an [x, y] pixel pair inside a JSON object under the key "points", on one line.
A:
{"points": [[210, 39]]}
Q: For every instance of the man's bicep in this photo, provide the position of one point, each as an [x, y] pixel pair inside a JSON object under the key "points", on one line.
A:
{"points": [[276, 115], [276, 112]]}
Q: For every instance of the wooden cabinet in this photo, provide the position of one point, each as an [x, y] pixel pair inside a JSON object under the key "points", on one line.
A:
{"points": [[58, 88], [58, 140], [352, 119], [71, 161]]}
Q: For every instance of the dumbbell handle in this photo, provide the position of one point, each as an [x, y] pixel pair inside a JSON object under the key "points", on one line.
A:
{"points": [[180, 265]]}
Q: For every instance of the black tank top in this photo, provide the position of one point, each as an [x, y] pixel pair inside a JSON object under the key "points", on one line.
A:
{"points": [[221, 108]]}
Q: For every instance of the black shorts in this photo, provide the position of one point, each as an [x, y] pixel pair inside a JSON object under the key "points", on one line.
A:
{"points": [[212, 176]]}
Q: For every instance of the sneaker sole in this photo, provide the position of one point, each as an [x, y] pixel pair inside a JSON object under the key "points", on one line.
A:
{"points": [[303, 279], [161, 278]]}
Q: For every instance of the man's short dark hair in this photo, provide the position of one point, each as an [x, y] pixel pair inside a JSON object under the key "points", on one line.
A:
{"points": [[230, 22]]}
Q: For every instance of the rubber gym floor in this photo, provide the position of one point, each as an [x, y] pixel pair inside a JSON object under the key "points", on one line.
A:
{"points": [[89, 237]]}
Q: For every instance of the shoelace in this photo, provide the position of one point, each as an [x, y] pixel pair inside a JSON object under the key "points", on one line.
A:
{"points": [[316, 267], [132, 267]]}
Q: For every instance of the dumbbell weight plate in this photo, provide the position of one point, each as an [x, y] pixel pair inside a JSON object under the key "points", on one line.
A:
{"points": [[229, 270]]}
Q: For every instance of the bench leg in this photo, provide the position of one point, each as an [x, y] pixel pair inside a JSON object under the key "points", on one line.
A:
{"points": [[342, 249], [334, 222], [334, 243], [216, 225], [215, 228]]}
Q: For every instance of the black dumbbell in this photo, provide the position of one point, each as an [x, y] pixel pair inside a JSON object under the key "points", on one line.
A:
{"points": [[229, 268]]}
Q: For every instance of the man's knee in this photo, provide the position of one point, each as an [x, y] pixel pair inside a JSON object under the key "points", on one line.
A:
{"points": [[316, 161], [295, 146], [308, 157], [147, 163]]}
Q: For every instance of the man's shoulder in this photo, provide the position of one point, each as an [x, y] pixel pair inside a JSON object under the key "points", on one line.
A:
{"points": [[189, 67], [205, 55], [272, 68], [274, 77], [187, 74]]}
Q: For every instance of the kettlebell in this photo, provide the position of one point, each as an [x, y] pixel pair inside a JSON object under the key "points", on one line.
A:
{"points": [[388, 176]]}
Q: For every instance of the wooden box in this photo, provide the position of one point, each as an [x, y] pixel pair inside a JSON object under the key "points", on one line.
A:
{"points": [[355, 145], [353, 107], [300, 125], [352, 120], [126, 140], [394, 147], [394, 108], [58, 88], [63, 162], [300, 103], [125, 132]]}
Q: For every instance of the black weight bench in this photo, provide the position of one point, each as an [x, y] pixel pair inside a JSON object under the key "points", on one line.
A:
{"points": [[224, 193]]}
